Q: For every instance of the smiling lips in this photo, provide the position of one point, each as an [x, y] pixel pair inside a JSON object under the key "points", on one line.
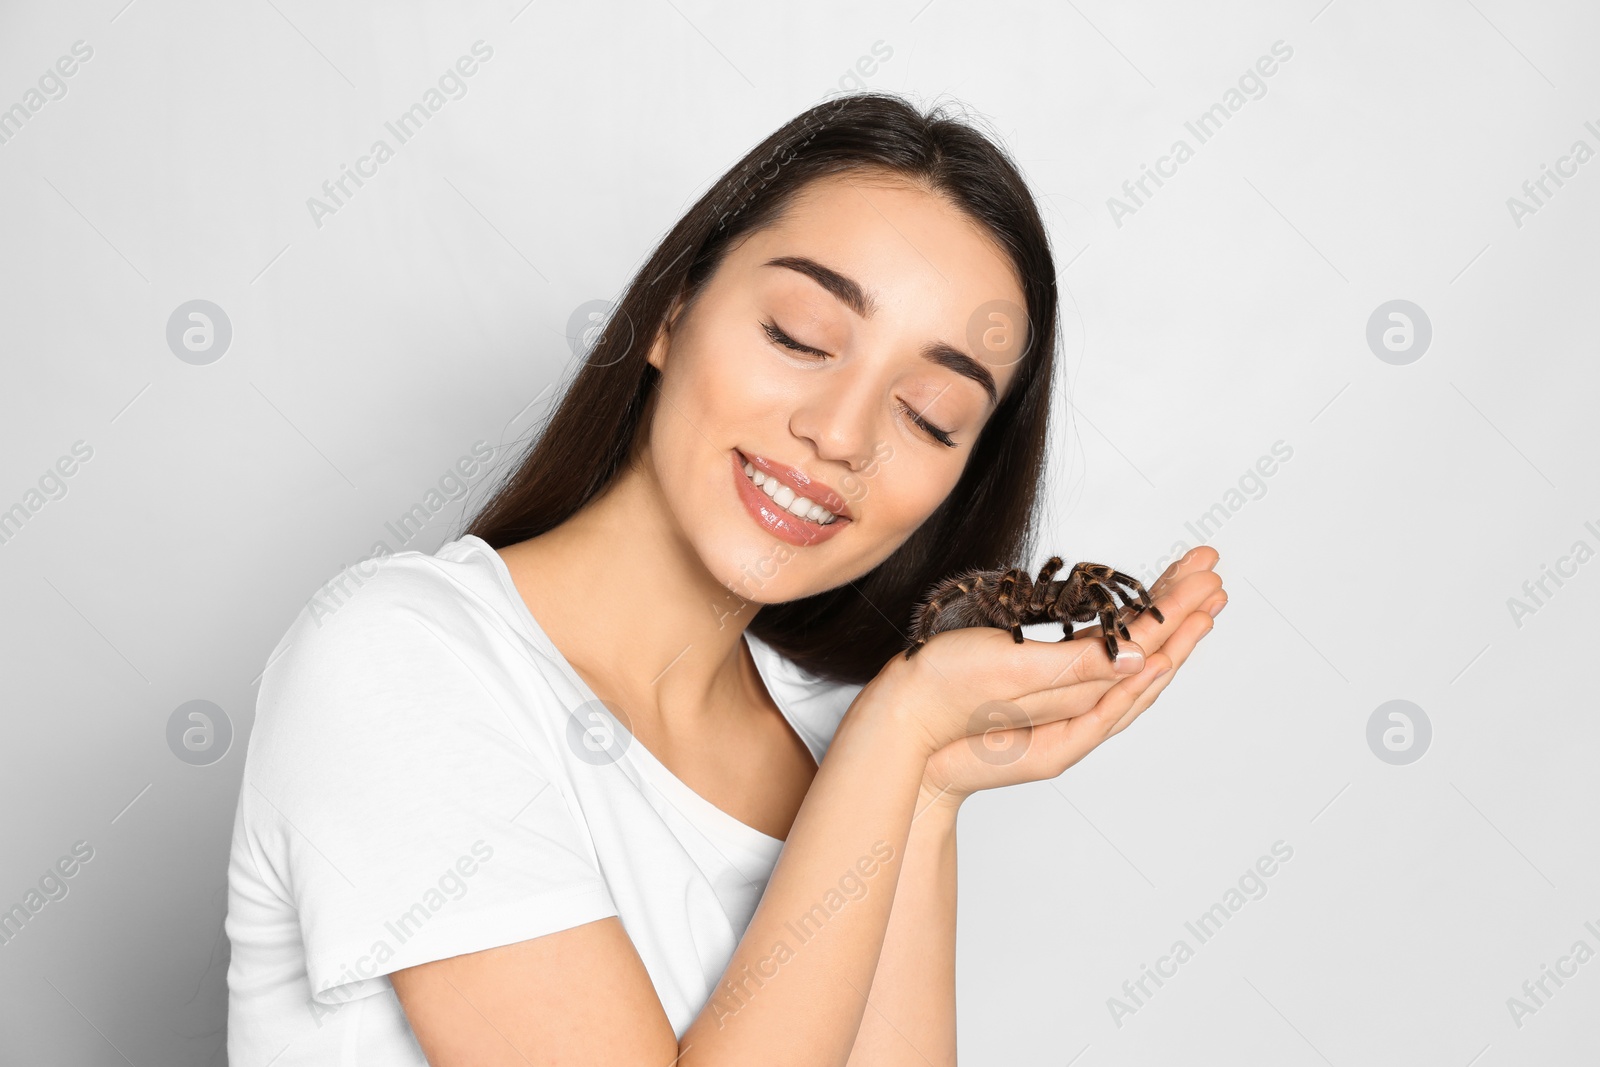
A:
{"points": [[777, 519]]}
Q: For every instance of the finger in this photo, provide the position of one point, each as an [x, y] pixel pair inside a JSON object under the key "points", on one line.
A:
{"points": [[1064, 742], [1074, 698], [1069, 676], [1179, 647], [1033, 665], [1119, 702], [1122, 703], [980, 679], [1203, 557], [1128, 613], [1185, 596]]}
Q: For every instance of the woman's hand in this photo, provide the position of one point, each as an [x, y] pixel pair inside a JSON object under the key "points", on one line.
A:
{"points": [[996, 754]]}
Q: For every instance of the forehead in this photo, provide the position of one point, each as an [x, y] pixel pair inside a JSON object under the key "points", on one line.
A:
{"points": [[929, 270]]}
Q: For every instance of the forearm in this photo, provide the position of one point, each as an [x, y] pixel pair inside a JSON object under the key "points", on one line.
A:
{"points": [[796, 987], [911, 1017]]}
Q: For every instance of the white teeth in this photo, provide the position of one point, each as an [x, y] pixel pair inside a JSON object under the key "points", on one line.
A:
{"points": [[787, 498]]}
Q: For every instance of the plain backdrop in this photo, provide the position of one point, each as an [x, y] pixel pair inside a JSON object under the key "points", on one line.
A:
{"points": [[1384, 511]]}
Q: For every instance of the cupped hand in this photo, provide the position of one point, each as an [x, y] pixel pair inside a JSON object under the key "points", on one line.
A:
{"points": [[997, 751]]}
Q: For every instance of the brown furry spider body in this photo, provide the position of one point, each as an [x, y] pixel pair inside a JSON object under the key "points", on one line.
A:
{"points": [[1010, 600]]}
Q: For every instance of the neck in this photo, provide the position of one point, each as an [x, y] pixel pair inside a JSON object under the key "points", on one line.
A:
{"points": [[627, 601]]}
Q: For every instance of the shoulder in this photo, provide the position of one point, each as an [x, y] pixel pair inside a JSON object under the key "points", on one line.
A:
{"points": [[369, 612], [815, 705], [406, 642], [403, 675], [387, 607]]}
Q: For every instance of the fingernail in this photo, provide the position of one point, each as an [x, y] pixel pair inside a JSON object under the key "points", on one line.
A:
{"points": [[1218, 609], [1162, 671], [1129, 661]]}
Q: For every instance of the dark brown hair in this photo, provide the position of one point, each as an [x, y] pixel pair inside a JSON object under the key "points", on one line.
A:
{"points": [[847, 633]]}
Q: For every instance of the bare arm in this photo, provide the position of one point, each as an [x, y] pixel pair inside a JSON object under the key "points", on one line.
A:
{"points": [[911, 1014], [911, 1017], [795, 989]]}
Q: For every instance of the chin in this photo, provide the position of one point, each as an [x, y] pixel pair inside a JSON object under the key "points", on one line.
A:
{"points": [[761, 573]]}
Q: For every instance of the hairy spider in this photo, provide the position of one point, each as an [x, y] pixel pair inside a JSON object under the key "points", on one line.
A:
{"points": [[1009, 599]]}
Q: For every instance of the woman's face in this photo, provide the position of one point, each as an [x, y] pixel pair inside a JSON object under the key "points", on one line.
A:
{"points": [[873, 274]]}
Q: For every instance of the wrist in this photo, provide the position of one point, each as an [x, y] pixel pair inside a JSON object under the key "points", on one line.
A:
{"points": [[890, 712], [940, 805], [893, 744], [890, 706]]}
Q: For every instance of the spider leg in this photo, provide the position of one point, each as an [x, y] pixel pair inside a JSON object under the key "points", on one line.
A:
{"points": [[1005, 597], [927, 617], [1139, 589], [1108, 622], [1106, 579], [1061, 599], [1118, 619], [1008, 597], [1099, 579], [1086, 591], [1041, 584]]}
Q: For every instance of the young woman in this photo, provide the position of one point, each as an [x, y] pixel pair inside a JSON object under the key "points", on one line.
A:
{"points": [[636, 771]]}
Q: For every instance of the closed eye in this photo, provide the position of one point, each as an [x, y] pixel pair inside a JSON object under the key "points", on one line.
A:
{"points": [[779, 337], [933, 431]]}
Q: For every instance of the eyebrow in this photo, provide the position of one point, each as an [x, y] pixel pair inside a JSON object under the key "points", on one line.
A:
{"points": [[849, 292]]}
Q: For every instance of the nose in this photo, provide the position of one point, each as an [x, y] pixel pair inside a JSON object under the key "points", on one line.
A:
{"points": [[839, 416]]}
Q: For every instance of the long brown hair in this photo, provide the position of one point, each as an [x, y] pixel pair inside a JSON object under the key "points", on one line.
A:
{"points": [[847, 633]]}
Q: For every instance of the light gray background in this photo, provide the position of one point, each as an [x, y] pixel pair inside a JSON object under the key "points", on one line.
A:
{"points": [[1227, 313]]}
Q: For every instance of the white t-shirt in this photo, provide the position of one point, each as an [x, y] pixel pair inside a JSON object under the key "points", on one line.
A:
{"points": [[427, 776]]}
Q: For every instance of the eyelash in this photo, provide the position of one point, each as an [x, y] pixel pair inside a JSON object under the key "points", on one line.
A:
{"points": [[779, 337]]}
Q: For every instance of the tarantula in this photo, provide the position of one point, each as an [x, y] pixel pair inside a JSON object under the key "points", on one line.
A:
{"points": [[1008, 599]]}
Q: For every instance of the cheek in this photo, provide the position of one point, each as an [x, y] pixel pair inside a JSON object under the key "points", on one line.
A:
{"points": [[697, 397], [726, 380], [924, 503], [900, 487]]}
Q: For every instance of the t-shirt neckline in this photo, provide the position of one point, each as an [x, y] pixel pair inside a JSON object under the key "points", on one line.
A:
{"points": [[732, 829]]}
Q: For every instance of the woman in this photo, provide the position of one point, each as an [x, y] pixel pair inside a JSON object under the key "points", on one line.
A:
{"points": [[635, 771]]}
